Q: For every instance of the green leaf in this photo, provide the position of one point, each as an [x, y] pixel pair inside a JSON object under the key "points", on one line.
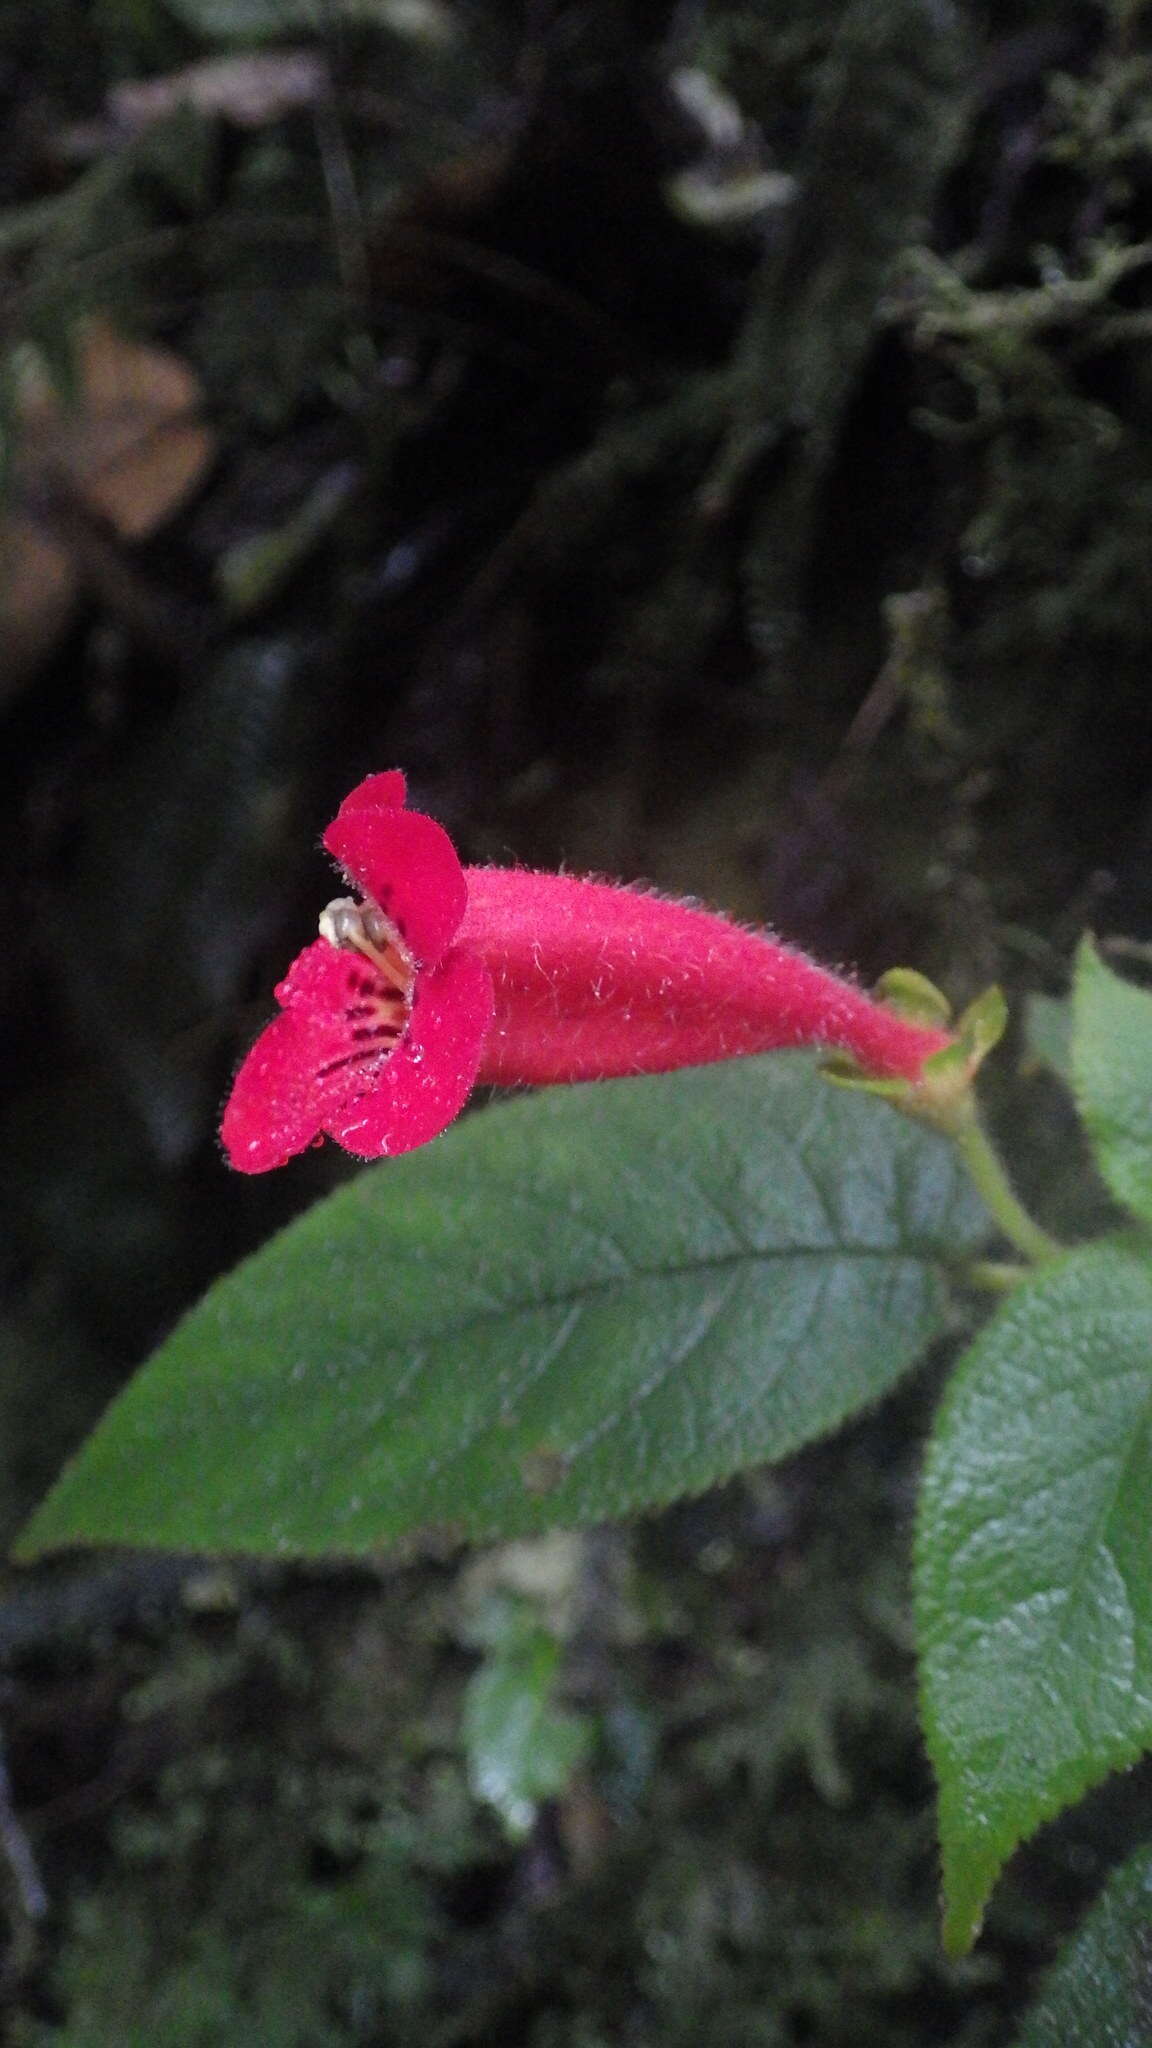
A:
{"points": [[1112, 1076], [1034, 1565], [570, 1307], [521, 1747], [1099, 1995]]}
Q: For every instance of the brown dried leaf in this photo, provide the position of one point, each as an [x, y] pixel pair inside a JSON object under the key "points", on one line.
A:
{"points": [[129, 449], [132, 446]]}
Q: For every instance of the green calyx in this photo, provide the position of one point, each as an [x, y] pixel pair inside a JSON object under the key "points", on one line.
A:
{"points": [[913, 996], [941, 1095]]}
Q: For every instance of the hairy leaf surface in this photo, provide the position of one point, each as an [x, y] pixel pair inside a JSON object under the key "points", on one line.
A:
{"points": [[1100, 1992], [570, 1307], [1034, 1567]]}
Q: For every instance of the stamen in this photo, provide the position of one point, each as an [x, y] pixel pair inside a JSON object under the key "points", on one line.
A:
{"points": [[363, 928], [378, 1004]]}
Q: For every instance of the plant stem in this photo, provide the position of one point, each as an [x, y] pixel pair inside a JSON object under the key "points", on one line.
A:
{"points": [[994, 1276], [991, 1183]]}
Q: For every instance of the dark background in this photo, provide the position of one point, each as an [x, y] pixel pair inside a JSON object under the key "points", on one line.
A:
{"points": [[706, 443]]}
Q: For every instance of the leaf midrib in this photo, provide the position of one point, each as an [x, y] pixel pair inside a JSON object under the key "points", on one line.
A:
{"points": [[565, 1298]]}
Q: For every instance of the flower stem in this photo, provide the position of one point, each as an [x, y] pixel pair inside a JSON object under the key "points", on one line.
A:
{"points": [[991, 1183]]}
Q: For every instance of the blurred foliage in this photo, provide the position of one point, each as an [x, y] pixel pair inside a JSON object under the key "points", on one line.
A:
{"points": [[706, 442], [294, 1857]]}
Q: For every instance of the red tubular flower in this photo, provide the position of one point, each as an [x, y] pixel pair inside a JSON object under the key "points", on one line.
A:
{"points": [[382, 1019], [592, 980], [443, 976]]}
